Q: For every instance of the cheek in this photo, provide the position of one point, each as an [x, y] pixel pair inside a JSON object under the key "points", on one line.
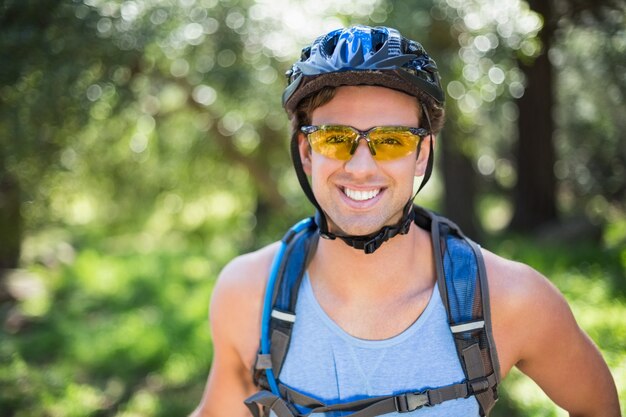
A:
{"points": [[319, 168], [406, 167], [404, 173], [322, 170]]}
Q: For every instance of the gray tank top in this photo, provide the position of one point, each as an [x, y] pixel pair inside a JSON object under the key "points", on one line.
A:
{"points": [[326, 363]]}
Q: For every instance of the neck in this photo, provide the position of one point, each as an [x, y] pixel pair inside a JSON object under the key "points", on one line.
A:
{"points": [[404, 262]]}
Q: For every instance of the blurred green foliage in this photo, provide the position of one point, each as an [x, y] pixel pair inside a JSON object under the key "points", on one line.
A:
{"points": [[114, 331], [144, 146], [108, 332]]}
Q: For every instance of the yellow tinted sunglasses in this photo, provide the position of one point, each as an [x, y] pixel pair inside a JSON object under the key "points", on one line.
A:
{"points": [[384, 142]]}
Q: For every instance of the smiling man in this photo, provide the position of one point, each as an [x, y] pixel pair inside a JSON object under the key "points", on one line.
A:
{"points": [[394, 311]]}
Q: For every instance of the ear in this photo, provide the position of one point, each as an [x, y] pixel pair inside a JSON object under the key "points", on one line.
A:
{"points": [[305, 153], [422, 159]]}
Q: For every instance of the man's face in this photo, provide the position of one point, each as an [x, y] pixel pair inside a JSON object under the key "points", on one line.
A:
{"points": [[361, 195]]}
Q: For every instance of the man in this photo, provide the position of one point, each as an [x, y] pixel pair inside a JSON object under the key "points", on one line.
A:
{"points": [[366, 105]]}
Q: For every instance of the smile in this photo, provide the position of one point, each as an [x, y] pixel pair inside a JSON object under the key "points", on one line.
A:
{"points": [[361, 195]]}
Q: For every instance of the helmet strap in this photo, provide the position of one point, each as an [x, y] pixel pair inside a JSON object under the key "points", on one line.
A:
{"points": [[369, 243], [304, 181], [431, 153]]}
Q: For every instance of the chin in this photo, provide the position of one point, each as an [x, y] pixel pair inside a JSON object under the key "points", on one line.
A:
{"points": [[361, 224], [362, 229]]}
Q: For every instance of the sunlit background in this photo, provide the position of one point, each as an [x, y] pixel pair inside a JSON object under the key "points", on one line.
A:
{"points": [[143, 146]]}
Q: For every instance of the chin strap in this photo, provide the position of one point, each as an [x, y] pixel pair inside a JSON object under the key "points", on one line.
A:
{"points": [[369, 243]]}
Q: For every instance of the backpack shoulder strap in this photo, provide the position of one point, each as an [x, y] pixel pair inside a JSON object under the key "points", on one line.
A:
{"points": [[278, 316], [463, 286], [462, 282]]}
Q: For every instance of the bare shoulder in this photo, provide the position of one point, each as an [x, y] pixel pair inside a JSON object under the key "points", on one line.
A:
{"points": [[237, 301], [247, 273], [516, 285], [235, 316]]}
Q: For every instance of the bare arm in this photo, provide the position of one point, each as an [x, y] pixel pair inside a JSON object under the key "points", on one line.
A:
{"points": [[235, 326], [564, 361], [545, 342]]}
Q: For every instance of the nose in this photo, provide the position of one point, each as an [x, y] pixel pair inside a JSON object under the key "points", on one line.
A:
{"points": [[362, 162]]}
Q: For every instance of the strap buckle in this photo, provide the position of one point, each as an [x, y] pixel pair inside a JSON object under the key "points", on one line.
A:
{"points": [[263, 361], [411, 401], [479, 385], [370, 246]]}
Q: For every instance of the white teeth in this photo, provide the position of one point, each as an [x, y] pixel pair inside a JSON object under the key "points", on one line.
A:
{"points": [[361, 195]]}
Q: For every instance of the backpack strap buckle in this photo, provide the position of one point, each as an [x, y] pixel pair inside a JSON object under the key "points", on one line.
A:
{"points": [[263, 361], [411, 401], [479, 385]]}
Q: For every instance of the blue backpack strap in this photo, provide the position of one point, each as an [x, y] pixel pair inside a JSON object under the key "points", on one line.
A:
{"points": [[278, 317], [463, 286], [462, 282]]}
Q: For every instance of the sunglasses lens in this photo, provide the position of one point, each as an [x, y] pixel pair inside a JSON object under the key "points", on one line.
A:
{"points": [[333, 141], [386, 142], [393, 142]]}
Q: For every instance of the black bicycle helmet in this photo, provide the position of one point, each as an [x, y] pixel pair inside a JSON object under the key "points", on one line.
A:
{"points": [[362, 55]]}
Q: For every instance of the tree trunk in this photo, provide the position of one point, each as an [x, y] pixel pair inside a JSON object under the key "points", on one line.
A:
{"points": [[535, 193], [460, 183], [459, 176], [10, 228], [10, 222]]}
